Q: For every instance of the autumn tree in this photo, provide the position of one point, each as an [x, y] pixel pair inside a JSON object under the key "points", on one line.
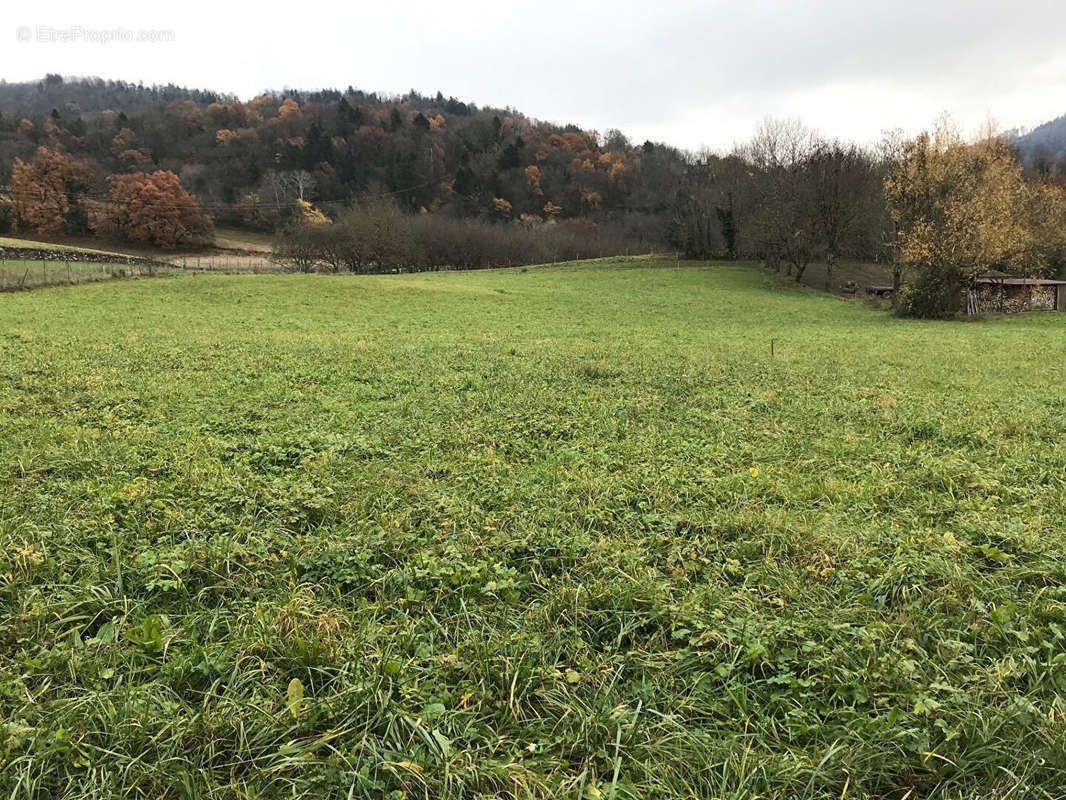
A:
{"points": [[154, 208], [501, 208], [533, 178], [48, 192], [289, 109], [307, 214], [962, 208]]}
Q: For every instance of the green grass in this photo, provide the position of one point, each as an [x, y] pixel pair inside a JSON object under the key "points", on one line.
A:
{"points": [[16, 275], [555, 533]]}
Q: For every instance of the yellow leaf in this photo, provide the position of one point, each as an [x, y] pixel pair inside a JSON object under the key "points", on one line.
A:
{"points": [[295, 696]]}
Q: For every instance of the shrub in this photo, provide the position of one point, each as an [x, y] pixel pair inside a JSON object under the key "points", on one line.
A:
{"points": [[379, 237], [933, 294]]}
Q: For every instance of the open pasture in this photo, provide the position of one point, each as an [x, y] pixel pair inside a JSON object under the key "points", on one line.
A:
{"points": [[557, 532]]}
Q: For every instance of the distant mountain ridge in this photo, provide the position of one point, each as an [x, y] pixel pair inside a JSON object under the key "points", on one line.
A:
{"points": [[88, 95], [1046, 141]]}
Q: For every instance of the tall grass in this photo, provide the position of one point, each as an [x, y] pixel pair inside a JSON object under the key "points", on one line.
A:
{"points": [[553, 533]]}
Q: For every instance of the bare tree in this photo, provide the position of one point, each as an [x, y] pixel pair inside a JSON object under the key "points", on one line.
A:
{"points": [[286, 188], [844, 184], [785, 225]]}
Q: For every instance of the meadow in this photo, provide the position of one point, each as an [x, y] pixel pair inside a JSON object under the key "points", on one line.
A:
{"points": [[614, 530], [20, 274]]}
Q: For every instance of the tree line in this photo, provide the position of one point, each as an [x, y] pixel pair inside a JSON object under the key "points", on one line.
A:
{"points": [[377, 236], [360, 182], [786, 197], [938, 210]]}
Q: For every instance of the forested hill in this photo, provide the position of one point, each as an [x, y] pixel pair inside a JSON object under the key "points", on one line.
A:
{"points": [[83, 95], [248, 162], [1044, 147]]}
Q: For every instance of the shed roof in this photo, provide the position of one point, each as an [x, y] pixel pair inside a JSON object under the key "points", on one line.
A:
{"points": [[1019, 281]]}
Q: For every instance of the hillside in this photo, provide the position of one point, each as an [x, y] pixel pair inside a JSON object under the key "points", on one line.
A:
{"points": [[251, 163], [1045, 142], [624, 529]]}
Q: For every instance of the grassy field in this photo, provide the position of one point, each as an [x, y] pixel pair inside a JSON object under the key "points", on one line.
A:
{"points": [[19, 274], [238, 239], [564, 532]]}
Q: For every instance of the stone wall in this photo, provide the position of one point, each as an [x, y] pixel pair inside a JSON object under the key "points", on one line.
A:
{"points": [[78, 256]]}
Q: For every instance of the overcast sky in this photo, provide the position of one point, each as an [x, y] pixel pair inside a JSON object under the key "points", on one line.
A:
{"points": [[689, 73]]}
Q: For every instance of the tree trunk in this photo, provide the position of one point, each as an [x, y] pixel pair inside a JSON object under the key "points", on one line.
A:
{"points": [[829, 259]]}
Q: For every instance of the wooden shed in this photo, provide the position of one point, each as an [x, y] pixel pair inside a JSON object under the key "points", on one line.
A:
{"points": [[998, 292]]}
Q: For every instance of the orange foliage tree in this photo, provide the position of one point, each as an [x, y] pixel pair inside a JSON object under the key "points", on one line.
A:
{"points": [[591, 200], [154, 208], [533, 176], [48, 192], [289, 109], [501, 207]]}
